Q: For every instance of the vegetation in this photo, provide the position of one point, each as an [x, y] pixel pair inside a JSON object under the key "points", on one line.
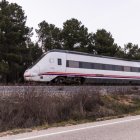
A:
{"points": [[31, 108], [17, 51], [16, 48]]}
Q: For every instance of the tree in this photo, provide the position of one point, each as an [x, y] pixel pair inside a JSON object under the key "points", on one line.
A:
{"points": [[49, 36], [120, 52], [34, 52], [131, 51], [104, 43], [14, 37], [75, 35]]}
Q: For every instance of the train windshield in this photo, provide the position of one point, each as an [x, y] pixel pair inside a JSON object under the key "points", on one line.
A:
{"points": [[34, 63]]}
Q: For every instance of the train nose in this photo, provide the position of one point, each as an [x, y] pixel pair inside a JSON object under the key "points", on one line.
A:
{"points": [[27, 75], [31, 74]]}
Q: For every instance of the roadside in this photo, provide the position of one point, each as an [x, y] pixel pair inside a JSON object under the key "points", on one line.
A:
{"points": [[115, 129]]}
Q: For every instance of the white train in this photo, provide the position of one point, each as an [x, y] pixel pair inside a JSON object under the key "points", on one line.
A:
{"points": [[62, 66]]}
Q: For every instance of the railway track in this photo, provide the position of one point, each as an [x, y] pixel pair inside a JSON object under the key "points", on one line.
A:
{"points": [[68, 89]]}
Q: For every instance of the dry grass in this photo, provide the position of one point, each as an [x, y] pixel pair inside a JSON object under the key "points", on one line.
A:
{"points": [[29, 109]]}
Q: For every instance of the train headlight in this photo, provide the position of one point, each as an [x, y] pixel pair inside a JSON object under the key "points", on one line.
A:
{"points": [[34, 74]]}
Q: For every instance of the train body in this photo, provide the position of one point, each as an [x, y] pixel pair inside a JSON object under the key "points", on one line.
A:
{"points": [[62, 66]]}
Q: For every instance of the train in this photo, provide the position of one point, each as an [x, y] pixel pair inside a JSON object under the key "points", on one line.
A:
{"points": [[72, 67]]}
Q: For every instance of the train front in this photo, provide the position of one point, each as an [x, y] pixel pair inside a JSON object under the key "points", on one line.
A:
{"points": [[33, 72]]}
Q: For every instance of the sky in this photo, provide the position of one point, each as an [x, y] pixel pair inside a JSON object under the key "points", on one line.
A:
{"points": [[119, 17]]}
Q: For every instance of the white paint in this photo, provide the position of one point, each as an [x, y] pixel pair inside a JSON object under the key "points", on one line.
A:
{"points": [[79, 129]]}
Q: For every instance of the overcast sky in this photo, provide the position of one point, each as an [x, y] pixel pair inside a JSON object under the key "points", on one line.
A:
{"points": [[120, 17]]}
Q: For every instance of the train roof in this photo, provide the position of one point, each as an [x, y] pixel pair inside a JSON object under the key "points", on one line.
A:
{"points": [[89, 54]]}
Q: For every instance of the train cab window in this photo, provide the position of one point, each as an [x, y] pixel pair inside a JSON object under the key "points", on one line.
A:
{"points": [[59, 61]]}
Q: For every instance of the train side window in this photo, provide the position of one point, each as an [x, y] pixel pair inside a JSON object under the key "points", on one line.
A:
{"points": [[126, 68], [119, 68], [67, 63], [92, 66], [135, 69], [72, 64], [81, 64], [85, 65], [103, 66], [109, 67], [113, 67], [89, 65], [59, 61], [97, 66]]}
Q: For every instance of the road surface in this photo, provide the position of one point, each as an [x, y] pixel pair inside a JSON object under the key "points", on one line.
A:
{"points": [[127, 128]]}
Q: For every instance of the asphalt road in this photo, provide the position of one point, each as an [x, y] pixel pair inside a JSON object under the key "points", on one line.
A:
{"points": [[127, 128]]}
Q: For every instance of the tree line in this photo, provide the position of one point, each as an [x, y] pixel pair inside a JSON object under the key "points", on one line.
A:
{"points": [[18, 51]]}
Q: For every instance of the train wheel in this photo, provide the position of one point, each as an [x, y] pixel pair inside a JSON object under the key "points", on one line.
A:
{"points": [[78, 81], [60, 80]]}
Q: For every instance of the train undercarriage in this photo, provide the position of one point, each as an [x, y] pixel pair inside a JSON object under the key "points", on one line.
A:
{"points": [[92, 81]]}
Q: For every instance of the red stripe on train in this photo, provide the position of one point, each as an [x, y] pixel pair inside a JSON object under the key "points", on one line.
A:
{"points": [[89, 75]]}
